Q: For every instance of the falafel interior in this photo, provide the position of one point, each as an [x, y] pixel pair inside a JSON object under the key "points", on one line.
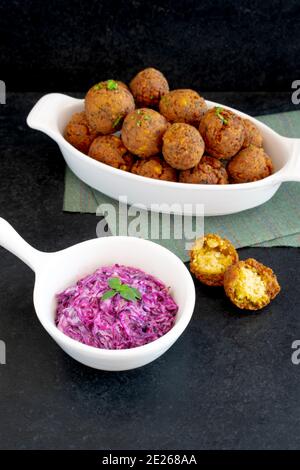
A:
{"points": [[250, 285], [211, 255]]}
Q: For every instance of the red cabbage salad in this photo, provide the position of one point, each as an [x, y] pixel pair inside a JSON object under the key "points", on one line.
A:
{"points": [[117, 307]]}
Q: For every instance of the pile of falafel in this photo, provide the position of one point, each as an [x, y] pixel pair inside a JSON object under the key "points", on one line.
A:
{"points": [[167, 135]]}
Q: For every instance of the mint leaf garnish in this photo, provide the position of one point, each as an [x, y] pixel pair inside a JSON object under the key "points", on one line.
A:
{"points": [[108, 294], [125, 291], [114, 283]]}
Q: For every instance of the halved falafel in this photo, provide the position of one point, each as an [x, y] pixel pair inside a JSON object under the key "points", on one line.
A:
{"points": [[78, 133], [142, 132], [148, 86], [110, 150], [155, 167], [183, 105], [223, 132], [183, 146], [250, 285], [209, 171], [210, 256], [250, 164], [106, 105]]}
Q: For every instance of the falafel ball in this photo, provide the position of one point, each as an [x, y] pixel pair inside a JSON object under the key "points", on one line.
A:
{"points": [[183, 146], [148, 86], [142, 132], [122, 84], [78, 133], [209, 171], [106, 105], [155, 167], [250, 285], [250, 164], [210, 256], [183, 106], [110, 150], [223, 132], [252, 134]]}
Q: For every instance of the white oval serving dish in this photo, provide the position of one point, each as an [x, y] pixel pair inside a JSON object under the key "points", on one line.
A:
{"points": [[52, 112]]}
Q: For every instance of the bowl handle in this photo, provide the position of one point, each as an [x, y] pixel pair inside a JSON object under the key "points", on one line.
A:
{"points": [[13, 242], [44, 115], [292, 168]]}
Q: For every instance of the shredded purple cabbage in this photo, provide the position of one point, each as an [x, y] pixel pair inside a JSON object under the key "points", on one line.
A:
{"points": [[116, 323]]}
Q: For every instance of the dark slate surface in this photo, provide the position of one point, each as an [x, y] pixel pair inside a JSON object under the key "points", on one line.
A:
{"points": [[227, 383], [220, 44]]}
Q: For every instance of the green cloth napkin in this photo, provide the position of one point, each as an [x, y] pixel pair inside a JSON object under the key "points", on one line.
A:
{"points": [[275, 223]]}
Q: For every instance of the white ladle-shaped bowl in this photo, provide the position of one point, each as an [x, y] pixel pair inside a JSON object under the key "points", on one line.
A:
{"points": [[57, 271]]}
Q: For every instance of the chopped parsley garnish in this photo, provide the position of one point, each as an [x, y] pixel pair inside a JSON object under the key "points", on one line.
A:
{"points": [[125, 291], [219, 111], [143, 117], [117, 121], [99, 86], [111, 85]]}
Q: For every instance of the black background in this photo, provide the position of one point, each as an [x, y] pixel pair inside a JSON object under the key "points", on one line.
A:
{"points": [[228, 382], [209, 45]]}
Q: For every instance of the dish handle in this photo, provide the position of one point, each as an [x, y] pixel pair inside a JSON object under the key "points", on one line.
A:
{"points": [[44, 115], [13, 242], [291, 171]]}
